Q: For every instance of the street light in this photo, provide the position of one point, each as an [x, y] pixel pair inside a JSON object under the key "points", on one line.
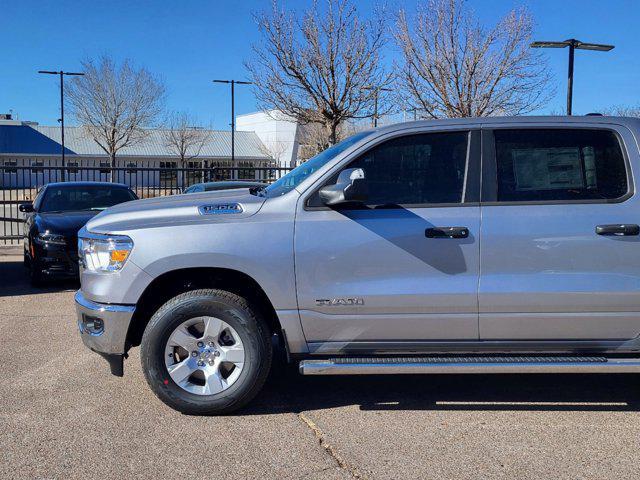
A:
{"points": [[62, 74], [233, 118], [375, 108], [573, 44], [415, 113]]}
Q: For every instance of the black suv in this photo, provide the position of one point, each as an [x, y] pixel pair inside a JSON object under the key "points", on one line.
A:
{"points": [[53, 220]]}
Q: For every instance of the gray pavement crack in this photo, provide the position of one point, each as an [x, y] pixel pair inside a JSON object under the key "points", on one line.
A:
{"points": [[330, 449]]}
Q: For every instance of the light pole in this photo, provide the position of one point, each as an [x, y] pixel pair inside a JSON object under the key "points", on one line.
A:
{"points": [[233, 115], [62, 74], [375, 99], [415, 113], [573, 44]]}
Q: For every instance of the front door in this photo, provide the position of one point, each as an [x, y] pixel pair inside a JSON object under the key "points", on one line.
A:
{"points": [[388, 274], [560, 252]]}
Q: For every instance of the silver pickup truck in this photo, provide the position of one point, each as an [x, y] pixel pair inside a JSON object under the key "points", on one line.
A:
{"points": [[499, 245]]}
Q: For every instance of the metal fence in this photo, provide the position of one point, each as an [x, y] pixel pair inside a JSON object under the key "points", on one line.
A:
{"points": [[20, 184]]}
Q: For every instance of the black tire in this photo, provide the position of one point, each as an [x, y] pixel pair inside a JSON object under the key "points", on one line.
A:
{"points": [[228, 307], [35, 274]]}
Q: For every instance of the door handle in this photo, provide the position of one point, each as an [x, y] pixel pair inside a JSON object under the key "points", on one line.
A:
{"points": [[447, 232], [619, 229]]}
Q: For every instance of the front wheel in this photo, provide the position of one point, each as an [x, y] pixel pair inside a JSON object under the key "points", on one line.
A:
{"points": [[206, 352], [35, 274]]}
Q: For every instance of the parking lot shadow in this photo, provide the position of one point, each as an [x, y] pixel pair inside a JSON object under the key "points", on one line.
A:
{"points": [[287, 391], [14, 280]]}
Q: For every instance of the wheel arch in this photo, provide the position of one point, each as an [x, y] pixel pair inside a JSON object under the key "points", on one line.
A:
{"points": [[175, 282]]}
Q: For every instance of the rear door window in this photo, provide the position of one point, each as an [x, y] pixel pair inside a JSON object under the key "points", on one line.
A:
{"points": [[559, 164]]}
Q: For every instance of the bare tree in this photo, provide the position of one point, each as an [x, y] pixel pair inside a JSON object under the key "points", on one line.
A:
{"points": [[313, 138], [115, 103], [322, 67], [274, 149], [184, 138], [453, 67], [622, 111]]}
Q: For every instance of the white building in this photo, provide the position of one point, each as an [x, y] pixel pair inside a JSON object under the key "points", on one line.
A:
{"points": [[278, 132]]}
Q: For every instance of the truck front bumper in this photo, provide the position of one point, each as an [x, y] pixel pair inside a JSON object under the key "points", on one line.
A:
{"points": [[103, 329]]}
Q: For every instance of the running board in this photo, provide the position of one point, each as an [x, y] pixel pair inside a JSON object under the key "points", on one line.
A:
{"points": [[450, 365]]}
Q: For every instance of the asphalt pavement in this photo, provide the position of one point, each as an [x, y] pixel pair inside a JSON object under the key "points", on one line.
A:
{"points": [[62, 415]]}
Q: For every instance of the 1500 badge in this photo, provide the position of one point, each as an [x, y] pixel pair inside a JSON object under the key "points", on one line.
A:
{"points": [[333, 302]]}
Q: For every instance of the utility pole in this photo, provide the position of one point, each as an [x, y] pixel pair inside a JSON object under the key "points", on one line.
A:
{"points": [[61, 120], [233, 115], [573, 44]]}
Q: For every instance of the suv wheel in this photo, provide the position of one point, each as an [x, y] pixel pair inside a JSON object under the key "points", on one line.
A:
{"points": [[206, 352], [35, 274]]}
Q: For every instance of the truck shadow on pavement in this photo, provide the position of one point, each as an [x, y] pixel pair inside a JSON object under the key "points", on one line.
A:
{"points": [[289, 392], [14, 281]]}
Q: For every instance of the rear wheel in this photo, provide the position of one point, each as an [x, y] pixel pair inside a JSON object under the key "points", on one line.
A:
{"points": [[206, 352]]}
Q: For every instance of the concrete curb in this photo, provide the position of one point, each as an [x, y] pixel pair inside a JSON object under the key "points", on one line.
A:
{"points": [[10, 250]]}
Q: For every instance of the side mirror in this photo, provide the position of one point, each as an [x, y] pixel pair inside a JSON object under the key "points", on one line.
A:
{"points": [[26, 208], [351, 186]]}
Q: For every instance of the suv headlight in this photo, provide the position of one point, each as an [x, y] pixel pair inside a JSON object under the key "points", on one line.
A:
{"points": [[104, 253]]}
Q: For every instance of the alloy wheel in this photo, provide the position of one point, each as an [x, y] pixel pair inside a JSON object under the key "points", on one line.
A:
{"points": [[204, 355]]}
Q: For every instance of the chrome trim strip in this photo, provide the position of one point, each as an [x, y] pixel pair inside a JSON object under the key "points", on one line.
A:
{"points": [[102, 307], [84, 233], [334, 367]]}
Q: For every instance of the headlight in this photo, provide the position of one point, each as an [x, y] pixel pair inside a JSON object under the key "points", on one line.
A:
{"points": [[104, 253], [50, 238]]}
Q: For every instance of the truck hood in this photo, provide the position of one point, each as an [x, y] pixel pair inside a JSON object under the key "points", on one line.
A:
{"points": [[176, 210]]}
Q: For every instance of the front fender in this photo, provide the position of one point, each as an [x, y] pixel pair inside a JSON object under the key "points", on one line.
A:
{"points": [[260, 247]]}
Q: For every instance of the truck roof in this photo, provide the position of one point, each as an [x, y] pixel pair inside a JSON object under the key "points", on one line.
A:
{"points": [[573, 119]]}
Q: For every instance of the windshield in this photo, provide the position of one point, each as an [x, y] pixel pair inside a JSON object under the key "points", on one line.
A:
{"points": [[83, 197], [298, 174]]}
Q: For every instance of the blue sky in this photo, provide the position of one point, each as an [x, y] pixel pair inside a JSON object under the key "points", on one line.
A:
{"points": [[190, 42]]}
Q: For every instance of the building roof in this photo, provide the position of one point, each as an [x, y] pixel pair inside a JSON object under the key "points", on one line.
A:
{"points": [[40, 140]]}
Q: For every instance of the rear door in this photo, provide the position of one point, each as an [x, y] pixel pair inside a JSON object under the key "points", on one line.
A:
{"points": [[560, 252], [374, 277]]}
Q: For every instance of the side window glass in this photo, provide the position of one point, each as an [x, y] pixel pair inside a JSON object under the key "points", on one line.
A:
{"points": [[559, 164], [414, 170]]}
